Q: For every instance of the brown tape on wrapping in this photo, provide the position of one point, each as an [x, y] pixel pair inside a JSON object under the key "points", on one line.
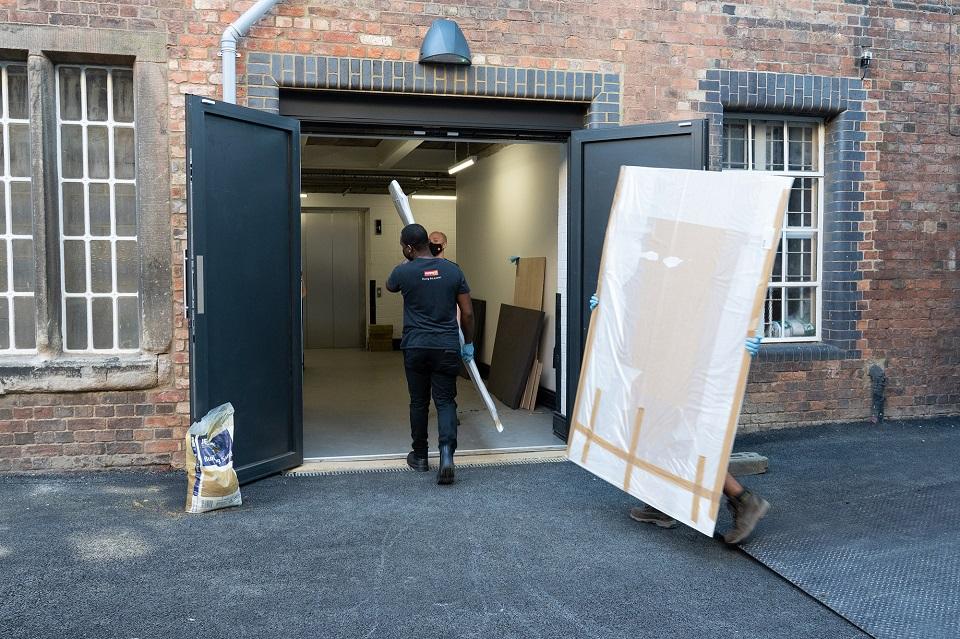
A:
{"points": [[745, 368], [653, 469], [695, 508], [593, 417], [634, 442]]}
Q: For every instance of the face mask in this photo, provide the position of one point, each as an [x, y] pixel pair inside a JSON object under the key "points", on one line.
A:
{"points": [[436, 249]]}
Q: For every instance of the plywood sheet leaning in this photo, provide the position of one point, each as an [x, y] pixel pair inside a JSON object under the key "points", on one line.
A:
{"points": [[683, 276], [514, 349], [528, 285]]}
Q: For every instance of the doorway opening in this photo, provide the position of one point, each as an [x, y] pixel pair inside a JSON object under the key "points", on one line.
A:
{"points": [[507, 201]]}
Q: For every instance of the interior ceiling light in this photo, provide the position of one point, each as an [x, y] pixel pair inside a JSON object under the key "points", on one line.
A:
{"points": [[303, 195], [462, 164], [444, 44], [425, 196]]}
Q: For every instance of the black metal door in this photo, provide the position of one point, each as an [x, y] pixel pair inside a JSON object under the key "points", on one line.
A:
{"points": [[596, 156], [244, 287]]}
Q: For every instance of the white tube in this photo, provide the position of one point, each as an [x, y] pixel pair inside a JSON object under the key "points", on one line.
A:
{"points": [[406, 214], [228, 45]]}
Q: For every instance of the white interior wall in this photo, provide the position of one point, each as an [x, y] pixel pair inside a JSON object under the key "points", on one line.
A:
{"points": [[507, 204], [383, 251]]}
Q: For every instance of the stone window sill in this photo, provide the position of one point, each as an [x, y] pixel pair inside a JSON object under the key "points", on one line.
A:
{"points": [[802, 352], [81, 374]]}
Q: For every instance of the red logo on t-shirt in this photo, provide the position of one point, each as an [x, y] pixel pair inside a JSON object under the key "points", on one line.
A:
{"points": [[433, 273]]}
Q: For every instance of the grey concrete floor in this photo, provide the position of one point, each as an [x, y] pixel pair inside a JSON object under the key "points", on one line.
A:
{"points": [[356, 403]]}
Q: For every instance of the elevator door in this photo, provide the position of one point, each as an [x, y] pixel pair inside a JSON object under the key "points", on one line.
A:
{"points": [[333, 303]]}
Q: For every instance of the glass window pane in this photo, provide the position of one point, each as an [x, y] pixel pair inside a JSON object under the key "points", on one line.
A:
{"points": [[128, 272], [3, 201], [802, 207], [24, 268], [101, 267], [21, 213], [102, 322], [17, 92], [74, 266], [801, 259], [99, 209], [126, 209], [97, 95], [69, 93], [123, 95], [128, 311], [4, 323], [3, 266], [98, 152], [773, 313], [25, 322], [73, 223], [71, 151], [767, 145], [19, 149], [76, 323], [802, 154], [123, 153], [735, 144], [800, 320]]}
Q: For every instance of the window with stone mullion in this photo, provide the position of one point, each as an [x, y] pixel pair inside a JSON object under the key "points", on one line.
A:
{"points": [[18, 309], [97, 205]]}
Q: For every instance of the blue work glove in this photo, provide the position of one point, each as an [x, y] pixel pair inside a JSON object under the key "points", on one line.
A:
{"points": [[753, 345], [594, 301], [514, 259], [466, 352]]}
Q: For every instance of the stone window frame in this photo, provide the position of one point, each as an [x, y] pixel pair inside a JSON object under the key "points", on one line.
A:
{"points": [[840, 101], [51, 369], [267, 73]]}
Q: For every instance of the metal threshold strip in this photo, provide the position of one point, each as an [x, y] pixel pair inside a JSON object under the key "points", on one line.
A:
{"points": [[396, 462]]}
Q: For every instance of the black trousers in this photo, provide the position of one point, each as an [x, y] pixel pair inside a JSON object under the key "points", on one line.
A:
{"points": [[432, 371]]}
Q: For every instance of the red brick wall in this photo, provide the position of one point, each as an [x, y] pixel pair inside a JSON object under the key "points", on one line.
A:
{"points": [[910, 319]]}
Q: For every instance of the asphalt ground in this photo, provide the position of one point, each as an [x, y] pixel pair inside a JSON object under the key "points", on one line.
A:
{"points": [[537, 550]]}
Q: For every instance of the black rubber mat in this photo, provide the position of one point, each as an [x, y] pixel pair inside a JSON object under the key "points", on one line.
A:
{"points": [[889, 563]]}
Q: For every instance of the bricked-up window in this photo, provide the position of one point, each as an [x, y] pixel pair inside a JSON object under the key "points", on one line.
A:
{"points": [[792, 147], [100, 263], [18, 323]]}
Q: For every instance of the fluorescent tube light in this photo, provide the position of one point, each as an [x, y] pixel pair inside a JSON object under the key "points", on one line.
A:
{"points": [[464, 164], [303, 195], [433, 197]]}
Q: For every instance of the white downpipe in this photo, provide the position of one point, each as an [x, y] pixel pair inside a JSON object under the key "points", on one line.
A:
{"points": [[228, 45]]}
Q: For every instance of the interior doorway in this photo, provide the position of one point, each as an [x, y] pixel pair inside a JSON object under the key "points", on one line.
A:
{"points": [[506, 202]]}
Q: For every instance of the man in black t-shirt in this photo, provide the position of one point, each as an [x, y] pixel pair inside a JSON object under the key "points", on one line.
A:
{"points": [[433, 288]]}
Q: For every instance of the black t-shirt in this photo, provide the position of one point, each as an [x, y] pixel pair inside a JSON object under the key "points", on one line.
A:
{"points": [[430, 287]]}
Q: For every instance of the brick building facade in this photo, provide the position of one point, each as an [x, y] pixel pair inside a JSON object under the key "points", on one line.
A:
{"points": [[891, 290]]}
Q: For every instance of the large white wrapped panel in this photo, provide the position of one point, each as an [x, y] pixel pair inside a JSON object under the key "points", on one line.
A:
{"points": [[685, 266]]}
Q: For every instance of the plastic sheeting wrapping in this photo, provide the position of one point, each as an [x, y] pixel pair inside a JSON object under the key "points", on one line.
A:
{"points": [[686, 261]]}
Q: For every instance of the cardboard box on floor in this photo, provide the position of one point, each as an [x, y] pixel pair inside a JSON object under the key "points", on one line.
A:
{"points": [[686, 262]]}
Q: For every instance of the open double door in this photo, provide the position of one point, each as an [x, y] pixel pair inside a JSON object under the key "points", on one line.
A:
{"points": [[243, 261]]}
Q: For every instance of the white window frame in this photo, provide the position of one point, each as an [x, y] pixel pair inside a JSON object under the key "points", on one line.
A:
{"points": [[89, 296], [7, 237], [815, 232]]}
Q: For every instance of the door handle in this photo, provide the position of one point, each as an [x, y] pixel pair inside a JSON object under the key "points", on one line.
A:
{"points": [[186, 285], [198, 265]]}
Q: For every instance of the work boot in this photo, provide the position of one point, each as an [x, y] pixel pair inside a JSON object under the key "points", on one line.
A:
{"points": [[445, 473], [650, 515], [417, 463], [747, 510]]}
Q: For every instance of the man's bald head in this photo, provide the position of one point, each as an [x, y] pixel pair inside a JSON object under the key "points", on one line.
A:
{"points": [[438, 243]]}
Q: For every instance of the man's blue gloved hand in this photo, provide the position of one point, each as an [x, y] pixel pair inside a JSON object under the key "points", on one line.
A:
{"points": [[753, 345], [514, 259], [466, 352], [594, 301]]}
